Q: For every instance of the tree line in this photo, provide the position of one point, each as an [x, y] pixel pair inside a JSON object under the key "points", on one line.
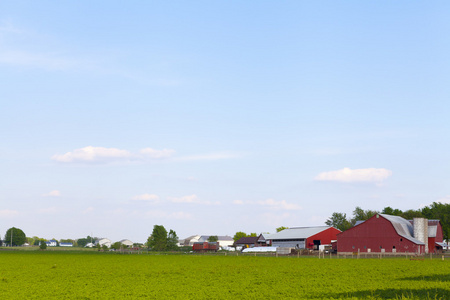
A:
{"points": [[435, 211]]}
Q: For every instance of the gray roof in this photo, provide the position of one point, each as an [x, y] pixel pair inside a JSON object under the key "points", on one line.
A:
{"points": [[295, 233], [403, 228], [204, 238]]}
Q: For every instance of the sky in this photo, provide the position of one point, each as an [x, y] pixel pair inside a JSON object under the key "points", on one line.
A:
{"points": [[212, 117]]}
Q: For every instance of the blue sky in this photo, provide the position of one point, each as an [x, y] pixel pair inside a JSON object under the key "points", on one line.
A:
{"points": [[217, 117]]}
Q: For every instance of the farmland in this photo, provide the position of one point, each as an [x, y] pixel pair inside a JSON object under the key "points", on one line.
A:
{"points": [[91, 275]]}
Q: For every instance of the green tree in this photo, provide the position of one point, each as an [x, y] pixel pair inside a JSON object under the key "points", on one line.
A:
{"points": [[439, 211], [339, 221], [213, 238], [238, 235], [253, 234], [116, 246], [390, 211], [172, 240], [281, 228], [411, 214], [15, 237], [361, 215], [158, 240], [43, 245]]}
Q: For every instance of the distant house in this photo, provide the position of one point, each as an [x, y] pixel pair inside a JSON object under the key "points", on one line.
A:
{"points": [[223, 240], [189, 241], [103, 242], [127, 243], [303, 237], [52, 243], [392, 234]]}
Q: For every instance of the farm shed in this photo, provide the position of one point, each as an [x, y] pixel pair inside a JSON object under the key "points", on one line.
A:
{"points": [[66, 244], [251, 241], [303, 237], [189, 241], [393, 234], [126, 242], [103, 242], [205, 247], [223, 240]]}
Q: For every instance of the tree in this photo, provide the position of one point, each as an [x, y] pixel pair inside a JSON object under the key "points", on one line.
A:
{"points": [[281, 228], [239, 235], [172, 240], [439, 211], [339, 221], [361, 215], [15, 237], [213, 238], [253, 234], [390, 211], [116, 246], [30, 241], [43, 245], [158, 240]]}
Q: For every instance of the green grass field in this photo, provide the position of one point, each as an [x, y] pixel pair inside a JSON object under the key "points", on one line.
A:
{"points": [[91, 275]]}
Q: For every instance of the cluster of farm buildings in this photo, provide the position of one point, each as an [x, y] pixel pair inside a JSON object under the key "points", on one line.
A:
{"points": [[380, 234]]}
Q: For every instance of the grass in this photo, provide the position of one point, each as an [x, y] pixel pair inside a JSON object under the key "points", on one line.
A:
{"points": [[93, 275]]}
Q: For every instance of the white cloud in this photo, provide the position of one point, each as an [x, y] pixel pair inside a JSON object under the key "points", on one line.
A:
{"points": [[8, 213], [279, 204], [193, 199], [157, 154], [356, 175], [54, 193], [179, 215], [271, 203], [49, 210], [88, 210], [93, 154], [146, 197]]}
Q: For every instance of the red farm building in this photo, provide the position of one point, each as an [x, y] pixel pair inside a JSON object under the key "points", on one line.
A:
{"points": [[392, 234], [304, 237], [205, 247]]}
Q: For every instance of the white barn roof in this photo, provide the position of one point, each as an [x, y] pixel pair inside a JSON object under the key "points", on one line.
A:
{"points": [[297, 233]]}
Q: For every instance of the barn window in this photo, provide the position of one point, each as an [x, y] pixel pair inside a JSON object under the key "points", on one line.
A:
{"points": [[401, 240], [365, 247], [381, 247], [393, 247], [353, 247]]}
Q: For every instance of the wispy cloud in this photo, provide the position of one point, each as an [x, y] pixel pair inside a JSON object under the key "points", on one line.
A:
{"points": [[271, 203], [179, 215], [157, 154], [355, 175], [192, 199], [146, 197], [54, 193], [102, 155], [8, 213], [49, 210]]}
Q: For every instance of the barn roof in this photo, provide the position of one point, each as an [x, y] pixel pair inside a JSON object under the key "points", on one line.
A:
{"points": [[297, 233], [247, 240], [403, 228]]}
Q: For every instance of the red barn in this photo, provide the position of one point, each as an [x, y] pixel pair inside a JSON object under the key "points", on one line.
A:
{"points": [[392, 234], [304, 237]]}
